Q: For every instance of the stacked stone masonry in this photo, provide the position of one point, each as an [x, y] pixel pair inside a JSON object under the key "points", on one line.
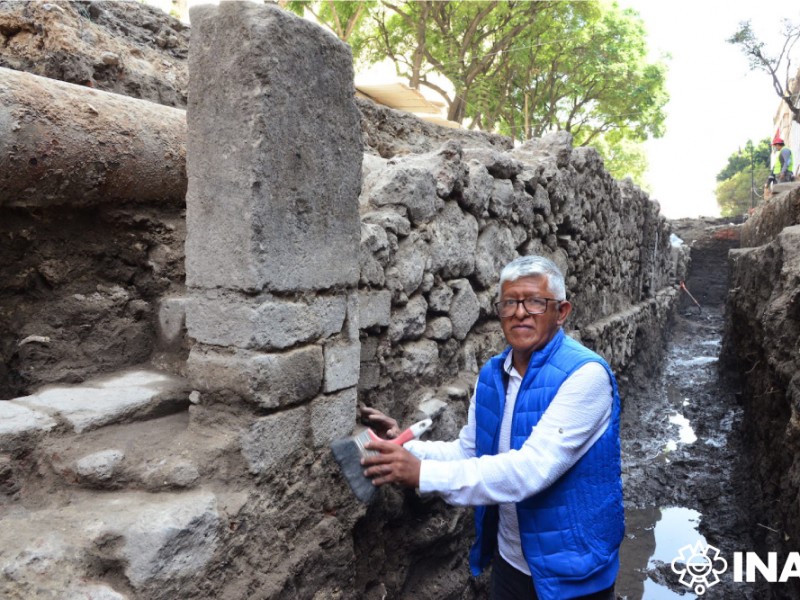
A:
{"points": [[272, 243], [437, 228]]}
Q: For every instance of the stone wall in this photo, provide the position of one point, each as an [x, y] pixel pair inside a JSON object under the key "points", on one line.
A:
{"points": [[437, 228], [761, 351]]}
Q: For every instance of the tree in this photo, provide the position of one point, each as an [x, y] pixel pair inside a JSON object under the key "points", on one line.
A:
{"points": [[740, 160], [737, 184], [467, 42], [760, 59], [344, 18], [521, 68], [589, 76], [526, 68]]}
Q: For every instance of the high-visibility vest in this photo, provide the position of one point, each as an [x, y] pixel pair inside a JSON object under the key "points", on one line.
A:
{"points": [[777, 167]]}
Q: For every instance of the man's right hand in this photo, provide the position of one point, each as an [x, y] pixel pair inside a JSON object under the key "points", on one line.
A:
{"points": [[384, 425]]}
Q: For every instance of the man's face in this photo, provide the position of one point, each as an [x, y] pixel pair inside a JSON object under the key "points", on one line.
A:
{"points": [[527, 333]]}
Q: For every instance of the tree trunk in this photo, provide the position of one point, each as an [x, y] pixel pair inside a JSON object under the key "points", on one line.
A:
{"points": [[66, 144]]}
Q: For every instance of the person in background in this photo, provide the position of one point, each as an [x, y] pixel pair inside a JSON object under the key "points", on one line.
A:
{"points": [[783, 167], [539, 456]]}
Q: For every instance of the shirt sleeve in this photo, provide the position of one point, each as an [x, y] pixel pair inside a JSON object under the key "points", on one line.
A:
{"points": [[576, 418]]}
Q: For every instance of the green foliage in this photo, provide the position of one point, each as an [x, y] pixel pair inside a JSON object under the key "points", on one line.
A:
{"points": [[733, 191], [733, 194], [589, 76], [517, 67], [346, 19], [623, 159], [740, 160]]}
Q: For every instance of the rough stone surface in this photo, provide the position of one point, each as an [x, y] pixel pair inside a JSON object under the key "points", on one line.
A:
{"points": [[162, 539], [99, 466], [286, 202], [171, 321], [409, 264], [269, 380], [478, 191], [333, 416], [408, 185], [439, 298], [17, 421], [374, 308], [440, 329], [496, 248], [464, 309], [272, 439], [408, 322], [341, 366], [453, 240], [110, 399]]}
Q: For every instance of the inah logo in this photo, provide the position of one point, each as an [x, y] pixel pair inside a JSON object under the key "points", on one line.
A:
{"points": [[699, 566]]}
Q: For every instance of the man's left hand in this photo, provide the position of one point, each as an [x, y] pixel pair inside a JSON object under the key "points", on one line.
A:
{"points": [[394, 464]]}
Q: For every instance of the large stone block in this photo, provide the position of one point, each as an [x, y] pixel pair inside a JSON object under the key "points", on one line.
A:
{"points": [[496, 248], [464, 309], [274, 152], [231, 319], [408, 267], [269, 380], [272, 439], [333, 416], [124, 396], [453, 240], [342, 363], [374, 308], [408, 322]]}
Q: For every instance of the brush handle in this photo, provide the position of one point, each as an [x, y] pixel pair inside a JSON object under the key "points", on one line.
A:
{"points": [[412, 433]]}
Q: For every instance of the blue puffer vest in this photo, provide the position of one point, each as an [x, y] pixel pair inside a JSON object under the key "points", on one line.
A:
{"points": [[571, 531]]}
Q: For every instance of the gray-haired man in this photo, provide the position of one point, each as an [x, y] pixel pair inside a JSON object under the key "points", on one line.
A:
{"points": [[539, 456]]}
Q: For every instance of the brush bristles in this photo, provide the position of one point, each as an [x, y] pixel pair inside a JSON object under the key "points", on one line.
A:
{"points": [[348, 453], [361, 440]]}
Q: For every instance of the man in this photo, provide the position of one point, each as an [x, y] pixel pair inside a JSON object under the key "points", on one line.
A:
{"points": [[783, 167], [539, 456]]}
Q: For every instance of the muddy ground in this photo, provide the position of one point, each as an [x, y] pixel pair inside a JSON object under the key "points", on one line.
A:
{"points": [[684, 467]]}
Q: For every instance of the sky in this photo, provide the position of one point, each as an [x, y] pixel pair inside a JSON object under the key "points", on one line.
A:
{"points": [[716, 103]]}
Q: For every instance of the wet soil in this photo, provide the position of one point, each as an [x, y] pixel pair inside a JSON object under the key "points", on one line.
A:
{"points": [[685, 472]]}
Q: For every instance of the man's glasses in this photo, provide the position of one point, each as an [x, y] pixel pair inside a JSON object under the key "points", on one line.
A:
{"points": [[532, 306]]}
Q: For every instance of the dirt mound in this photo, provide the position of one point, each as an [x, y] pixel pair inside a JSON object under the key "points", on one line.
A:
{"points": [[123, 47]]}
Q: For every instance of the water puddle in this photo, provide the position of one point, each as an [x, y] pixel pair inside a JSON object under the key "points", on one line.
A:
{"points": [[685, 432], [655, 536]]}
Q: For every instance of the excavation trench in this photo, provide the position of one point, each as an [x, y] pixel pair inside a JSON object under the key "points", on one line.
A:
{"points": [[684, 468]]}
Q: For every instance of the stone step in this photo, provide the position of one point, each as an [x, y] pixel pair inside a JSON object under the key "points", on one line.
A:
{"points": [[124, 396], [112, 546]]}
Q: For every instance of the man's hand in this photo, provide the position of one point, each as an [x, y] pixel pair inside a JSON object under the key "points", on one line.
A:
{"points": [[384, 425], [394, 464]]}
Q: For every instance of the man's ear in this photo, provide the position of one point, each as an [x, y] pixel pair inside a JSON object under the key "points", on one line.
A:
{"points": [[564, 308]]}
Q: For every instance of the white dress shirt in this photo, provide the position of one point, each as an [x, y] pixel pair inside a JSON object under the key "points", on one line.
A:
{"points": [[575, 419]]}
